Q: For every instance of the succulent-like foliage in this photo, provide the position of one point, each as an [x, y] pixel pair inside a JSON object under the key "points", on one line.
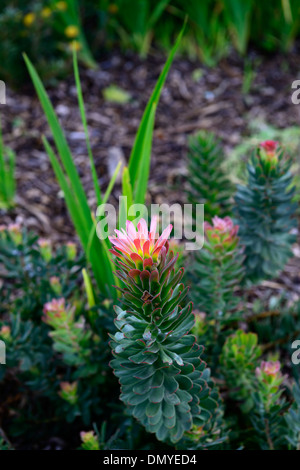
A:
{"points": [[267, 417], [216, 273], [257, 389], [240, 352], [268, 425], [276, 319], [238, 361], [165, 384], [208, 183], [265, 212], [89, 441], [36, 270], [269, 380], [69, 334], [292, 419]]}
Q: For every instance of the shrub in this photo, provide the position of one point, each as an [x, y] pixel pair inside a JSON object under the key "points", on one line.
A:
{"points": [[216, 273], [265, 212], [56, 368], [164, 382], [7, 175], [207, 181]]}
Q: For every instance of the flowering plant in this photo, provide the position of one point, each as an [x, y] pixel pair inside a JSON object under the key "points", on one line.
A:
{"points": [[270, 379], [164, 382], [265, 212], [216, 272], [222, 232]]}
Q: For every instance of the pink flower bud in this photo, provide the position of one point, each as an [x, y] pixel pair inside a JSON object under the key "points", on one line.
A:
{"points": [[90, 440], [15, 232], [69, 392], [71, 250], [55, 284], [269, 150], [45, 248], [223, 231], [270, 146], [55, 308], [68, 387], [270, 368]]}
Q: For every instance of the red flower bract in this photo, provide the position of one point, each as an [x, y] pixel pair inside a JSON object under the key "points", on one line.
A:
{"points": [[269, 146]]}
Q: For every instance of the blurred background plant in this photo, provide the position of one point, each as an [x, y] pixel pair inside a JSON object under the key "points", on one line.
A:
{"points": [[47, 31], [265, 212], [208, 182], [134, 178], [259, 131], [216, 273], [57, 344], [7, 175], [56, 300]]}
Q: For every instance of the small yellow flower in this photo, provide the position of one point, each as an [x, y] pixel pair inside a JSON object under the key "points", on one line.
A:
{"points": [[75, 45], [46, 12], [61, 6], [71, 31], [29, 19], [113, 9]]}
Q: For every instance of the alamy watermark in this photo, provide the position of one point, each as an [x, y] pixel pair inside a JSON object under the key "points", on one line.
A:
{"points": [[2, 352], [296, 354], [2, 92], [187, 220], [296, 94]]}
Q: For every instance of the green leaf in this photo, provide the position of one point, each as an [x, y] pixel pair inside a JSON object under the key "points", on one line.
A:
{"points": [[66, 172], [84, 122], [115, 94], [141, 152]]}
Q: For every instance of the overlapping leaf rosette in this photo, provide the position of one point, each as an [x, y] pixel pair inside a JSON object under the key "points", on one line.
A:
{"points": [[164, 382]]}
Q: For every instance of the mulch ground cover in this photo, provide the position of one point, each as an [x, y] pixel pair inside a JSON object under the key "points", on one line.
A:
{"points": [[209, 99]]}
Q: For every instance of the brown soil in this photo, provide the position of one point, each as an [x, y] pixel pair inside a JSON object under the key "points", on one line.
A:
{"points": [[213, 102]]}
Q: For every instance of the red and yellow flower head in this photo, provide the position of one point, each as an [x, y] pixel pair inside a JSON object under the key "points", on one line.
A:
{"points": [[269, 151], [139, 246]]}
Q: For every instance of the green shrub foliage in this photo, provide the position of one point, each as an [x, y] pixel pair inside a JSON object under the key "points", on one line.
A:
{"points": [[265, 212], [208, 183], [164, 382]]}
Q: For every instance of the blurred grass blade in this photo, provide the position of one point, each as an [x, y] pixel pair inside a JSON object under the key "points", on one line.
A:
{"points": [[11, 167], [238, 16], [74, 208], [88, 289], [59, 138], [7, 174], [2, 167], [104, 201], [126, 187], [157, 12], [111, 183], [76, 199], [127, 199], [145, 131], [144, 169], [85, 127]]}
